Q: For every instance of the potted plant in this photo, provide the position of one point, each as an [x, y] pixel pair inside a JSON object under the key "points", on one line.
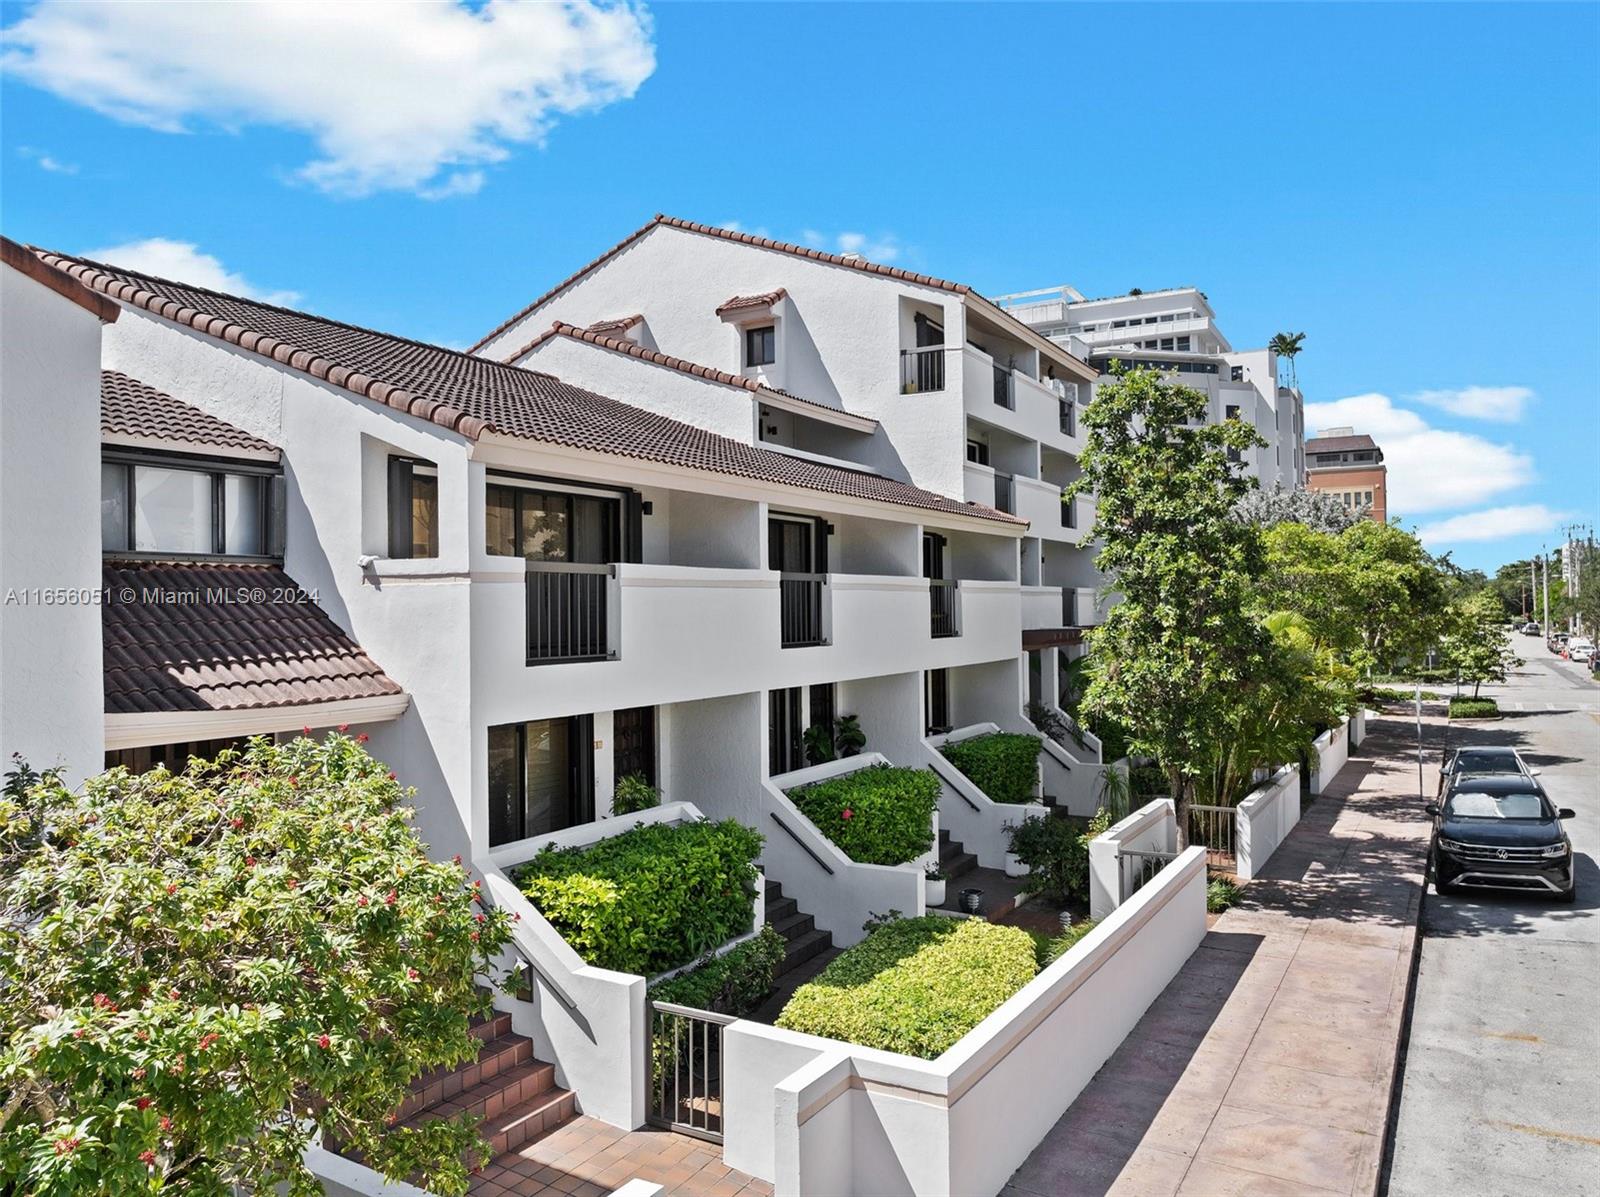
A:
{"points": [[933, 883]]}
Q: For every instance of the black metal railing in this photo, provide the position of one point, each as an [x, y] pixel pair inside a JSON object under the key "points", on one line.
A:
{"points": [[942, 591], [1069, 418], [685, 1061], [922, 369], [1003, 394], [1138, 869], [1005, 498], [567, 612], [800, 601], [1069, 512]]}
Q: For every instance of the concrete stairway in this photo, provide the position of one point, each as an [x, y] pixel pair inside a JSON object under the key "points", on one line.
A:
{"points": [[799, 930], [955, 860]]}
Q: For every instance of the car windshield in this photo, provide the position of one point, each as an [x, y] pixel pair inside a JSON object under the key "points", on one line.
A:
{"points": [[1486, 762], [1471, 805]]}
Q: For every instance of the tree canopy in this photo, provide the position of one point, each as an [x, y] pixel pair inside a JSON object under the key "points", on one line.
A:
{"points": [[202, 968]]}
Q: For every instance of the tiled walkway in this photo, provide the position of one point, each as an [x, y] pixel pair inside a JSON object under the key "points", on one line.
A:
{"points": [[1266, 1065], [588, 1158]]}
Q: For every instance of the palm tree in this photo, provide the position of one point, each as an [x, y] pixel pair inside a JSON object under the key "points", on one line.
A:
{"points": [[1287, 346]]}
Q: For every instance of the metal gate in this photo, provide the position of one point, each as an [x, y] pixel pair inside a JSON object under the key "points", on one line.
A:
{"points": [[684, 1055], [1212, 827], [1137, 869]]}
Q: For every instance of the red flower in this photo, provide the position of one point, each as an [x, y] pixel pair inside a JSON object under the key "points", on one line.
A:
{"points": [[79, 1033], [362, 738], [148, 1157], [305, 731], [173, 994], [324, 1042], [172, 889], [206, 1041], [412, 974], [391, 775], [294, 782], [473, 937], [66, 1146], [138, 1075], [344, 727], [292, 883], [362, 900], [236, 822], [102, 1002], [847, 813], [456, 859], [390, 898], [479, 917], [166, 1122], [143, 1103], [249, 862]]}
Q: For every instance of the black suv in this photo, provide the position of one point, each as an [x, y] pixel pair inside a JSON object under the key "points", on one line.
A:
{"points": [[1501, 832], [1479, 760]]}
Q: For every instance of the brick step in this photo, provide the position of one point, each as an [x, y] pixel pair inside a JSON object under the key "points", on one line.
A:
{"points": [[793, 926], [495, 1057], [779, 909], [515, 1087], [516, 1125], [804, 948], [494, 1025]]}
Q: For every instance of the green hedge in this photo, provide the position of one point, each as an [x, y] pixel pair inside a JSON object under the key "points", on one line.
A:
{"points": [[1004, 765], [1047, 949], [914, 985], [735, 982], [652, 898], [878, 815], [1473, 708]]}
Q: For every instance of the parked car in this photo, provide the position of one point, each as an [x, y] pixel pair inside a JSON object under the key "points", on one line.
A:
{"points": [[1557, 643], [1531, 629], [1580, 649], [1501, 833], [1481, 760]]}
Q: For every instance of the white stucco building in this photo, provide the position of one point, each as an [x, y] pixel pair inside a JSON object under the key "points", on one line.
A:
{"points": [[1176, 329]]}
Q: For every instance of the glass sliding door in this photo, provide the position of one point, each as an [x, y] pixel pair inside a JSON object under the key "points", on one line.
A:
{"points": [[541, 777], [784, 750]]}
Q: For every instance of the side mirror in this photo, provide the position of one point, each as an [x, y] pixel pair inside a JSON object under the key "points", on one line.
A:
{"points": [[1433, 808], [1566, 812], [1535, 772]]}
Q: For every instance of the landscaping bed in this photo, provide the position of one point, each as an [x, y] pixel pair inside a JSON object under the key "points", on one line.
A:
{"points": [[1474, 708], [1004, 765], [735, 982], [915, 986], [878, 815], [651, 899]]}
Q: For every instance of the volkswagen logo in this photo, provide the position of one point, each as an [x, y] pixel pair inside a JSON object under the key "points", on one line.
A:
{"points": [[1501, 854]]}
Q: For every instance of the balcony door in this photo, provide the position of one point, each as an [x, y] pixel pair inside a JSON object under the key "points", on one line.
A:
{"points": [[541, 777], [797, 548]]}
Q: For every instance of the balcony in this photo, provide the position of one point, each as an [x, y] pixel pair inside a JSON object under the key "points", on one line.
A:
{"points": [[922, 369], [567, 616], [800, 601], [1003, 394], [942, 600], [1081, 608], [1005, 493]]}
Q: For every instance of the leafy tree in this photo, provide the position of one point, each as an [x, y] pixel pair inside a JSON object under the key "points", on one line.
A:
{"points": [[1476, 644], [202, 969], [1316, 509], [1177, 651], [1287, 346]]}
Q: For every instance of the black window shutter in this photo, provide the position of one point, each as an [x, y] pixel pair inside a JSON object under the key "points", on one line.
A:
{"points": [[277, 515], [820, 558], [399, 507], [633, 527]]}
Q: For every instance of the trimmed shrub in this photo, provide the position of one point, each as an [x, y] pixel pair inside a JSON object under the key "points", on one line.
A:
{"points": [[633, 794], [879, 815], [1473, 708], [1056, 855], [914, 985], [735, 982], [1047, 949], [1004, 765], [652, 898]]}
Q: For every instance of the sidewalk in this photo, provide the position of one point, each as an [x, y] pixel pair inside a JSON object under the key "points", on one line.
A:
{"points": [[1267, 1064]]}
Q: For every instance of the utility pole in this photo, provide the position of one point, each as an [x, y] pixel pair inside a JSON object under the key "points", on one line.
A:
{"points": [[1544, 572]]}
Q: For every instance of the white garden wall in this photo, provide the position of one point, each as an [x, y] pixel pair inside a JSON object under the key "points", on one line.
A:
{"points": [[1264, 819], [821, 1117], [1151, 828], [1329, 751], [1358, 727]]}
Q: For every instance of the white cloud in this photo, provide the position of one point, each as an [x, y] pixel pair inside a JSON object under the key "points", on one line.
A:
{"points": [[46, 162], [183, 262], [874, 249], [1492, 523], [1430, 469], [410, 96], [1503, 405]]}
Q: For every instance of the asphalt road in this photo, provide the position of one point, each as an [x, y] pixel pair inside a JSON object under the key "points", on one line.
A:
{"points": [[1501, 1085]]}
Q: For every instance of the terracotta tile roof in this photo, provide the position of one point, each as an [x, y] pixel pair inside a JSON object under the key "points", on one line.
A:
{"points": [[801, 251], [765, 300], [129, 407], [620, 325], [1339, 444], [473, 395], [643, 353], [21, 259], [212, 655]]}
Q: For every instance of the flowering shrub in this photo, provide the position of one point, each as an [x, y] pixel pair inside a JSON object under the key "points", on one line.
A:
{"points": [[652, 898], [1004, 765], [201, 968], [878, 815], [914, 985]]}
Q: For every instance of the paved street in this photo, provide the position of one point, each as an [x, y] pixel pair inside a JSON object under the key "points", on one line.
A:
{"points": [[1501, 1088]]}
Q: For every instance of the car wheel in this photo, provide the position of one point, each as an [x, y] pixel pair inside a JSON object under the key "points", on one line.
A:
{"points": [[1442, 888], [1568, 896]]}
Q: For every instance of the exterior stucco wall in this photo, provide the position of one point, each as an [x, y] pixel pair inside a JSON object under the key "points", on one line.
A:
{"points": [[52, 693]]}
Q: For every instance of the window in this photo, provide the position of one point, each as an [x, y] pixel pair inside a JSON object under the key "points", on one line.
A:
{"points": [[760, 345], [1230, 412], [936, 700], [541, 777], [978, 452], [1166, 342], [413, 508], [1184, 343], [187, 507], [542, 525]]}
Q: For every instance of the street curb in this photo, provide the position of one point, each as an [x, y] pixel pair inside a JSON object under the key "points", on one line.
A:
{"points": [[1397, 1065]]}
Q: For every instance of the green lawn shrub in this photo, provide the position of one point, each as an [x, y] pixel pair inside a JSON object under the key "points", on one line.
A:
{"points": [[1004, 765], [652, 898], [914, 985], [735, 982], [1047, 949], [1473, 708], [1056, 855], [1220, 894], [878, 815]]}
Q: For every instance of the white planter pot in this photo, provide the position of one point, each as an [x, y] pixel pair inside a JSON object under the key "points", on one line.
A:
{"points": [[1015, 867], [933, 892]]}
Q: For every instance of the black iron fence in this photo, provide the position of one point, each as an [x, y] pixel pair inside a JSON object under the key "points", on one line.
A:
{"points": [[942, 591], [567, 612], [922, 369], [800, 600], [1005, 498], [1003, 394]]}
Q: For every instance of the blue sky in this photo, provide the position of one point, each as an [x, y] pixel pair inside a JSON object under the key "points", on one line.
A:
{"points": [[1417, 188]]}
